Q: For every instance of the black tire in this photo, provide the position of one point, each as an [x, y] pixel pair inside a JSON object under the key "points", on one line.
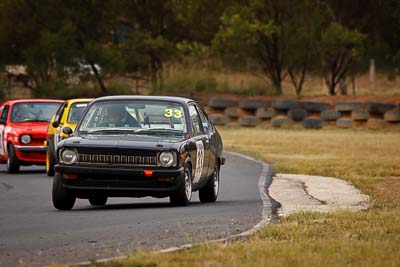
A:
{"points": [[183, 194], [248, 121], [348, 106], [312, 123], [253, 104], [344, 123], [63, 199], [218, 119], [98, 200], [232, 112], [50, 162], [359, 115], [266, 114], [379, 108], [330, 115], [284, 104], [280, 121], [13, 163], [392, 116], [297, 114], [316, 106], [209, 193], [222, 103]]}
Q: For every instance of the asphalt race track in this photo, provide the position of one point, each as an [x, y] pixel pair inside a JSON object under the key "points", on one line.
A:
{"points": [[33, 233]]}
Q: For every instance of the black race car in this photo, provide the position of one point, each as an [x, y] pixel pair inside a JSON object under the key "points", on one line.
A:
{"points": [[137, 146]]}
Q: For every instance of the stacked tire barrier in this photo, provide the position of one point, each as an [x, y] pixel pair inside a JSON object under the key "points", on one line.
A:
{"points": [[283, 113]]}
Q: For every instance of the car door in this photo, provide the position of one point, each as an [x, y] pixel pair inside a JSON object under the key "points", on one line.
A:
{"points": [[202, 142], [57, 124], [209, 132], [3, 122]]}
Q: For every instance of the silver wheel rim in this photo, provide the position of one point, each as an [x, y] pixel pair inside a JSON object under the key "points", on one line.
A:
{"points": [[188, 186], [8, 163], [216, 182]]}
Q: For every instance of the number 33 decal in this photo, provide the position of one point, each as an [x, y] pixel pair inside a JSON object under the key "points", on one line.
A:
{"points": [[199, 161], [176, 113]]}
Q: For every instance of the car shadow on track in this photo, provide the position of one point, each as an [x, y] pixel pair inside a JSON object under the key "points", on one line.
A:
{"points": [[22, 172], [122, 206]]}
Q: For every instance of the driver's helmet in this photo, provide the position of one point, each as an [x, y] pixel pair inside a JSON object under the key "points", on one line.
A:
{"points": [[116, 113]]}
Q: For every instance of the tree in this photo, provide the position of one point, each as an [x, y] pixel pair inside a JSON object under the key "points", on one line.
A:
{"points": [[339, 48], [158, 28], [278, 35], [389, 35], [57, 39], [306, 27]]}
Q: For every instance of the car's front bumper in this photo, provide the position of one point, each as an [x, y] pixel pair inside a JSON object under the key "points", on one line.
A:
{"points": [[31, 154], [120, 181]]}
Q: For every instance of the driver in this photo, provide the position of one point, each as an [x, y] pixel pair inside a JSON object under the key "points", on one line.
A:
{"points": [[119, 117]]}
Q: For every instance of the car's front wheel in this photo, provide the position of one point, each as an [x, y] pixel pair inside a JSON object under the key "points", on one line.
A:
{"points": [[98, 200], [63, 199], [13, 163], [183, 194], [50, 162], [209, 193]]}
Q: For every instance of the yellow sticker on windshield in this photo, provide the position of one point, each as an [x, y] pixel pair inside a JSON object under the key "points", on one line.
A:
{"points": [[176, 113]]}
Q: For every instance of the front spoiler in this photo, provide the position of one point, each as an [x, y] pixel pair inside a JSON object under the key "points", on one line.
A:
{"points": [[31, 148], [118, 170], [119, 181]]}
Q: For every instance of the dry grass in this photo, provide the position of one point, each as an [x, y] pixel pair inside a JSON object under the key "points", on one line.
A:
{"points": [[253, 83], [370, 159], [357, 155]]}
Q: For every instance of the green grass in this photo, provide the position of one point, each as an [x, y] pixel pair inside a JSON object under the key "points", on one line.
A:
{"points": [[369, 159]]}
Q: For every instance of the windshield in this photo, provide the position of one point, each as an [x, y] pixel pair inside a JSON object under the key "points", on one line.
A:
{"points": [[134, 117], [34, 111], [76, 112]]}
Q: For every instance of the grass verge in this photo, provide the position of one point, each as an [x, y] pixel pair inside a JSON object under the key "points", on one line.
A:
{"points": [[368, 159]]}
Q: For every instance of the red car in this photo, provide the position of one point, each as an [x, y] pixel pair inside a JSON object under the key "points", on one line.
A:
{"points": [[23, 129]]}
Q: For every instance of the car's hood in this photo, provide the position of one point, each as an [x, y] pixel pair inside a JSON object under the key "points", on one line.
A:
{"points": [[35, 129], [124, 141], [31, 126]]}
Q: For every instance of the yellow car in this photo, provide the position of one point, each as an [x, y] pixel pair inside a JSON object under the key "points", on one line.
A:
{"points": [[68, 114]]}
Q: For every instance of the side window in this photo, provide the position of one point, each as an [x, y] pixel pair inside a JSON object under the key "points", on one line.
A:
{"points": [[5, 113], [195, 119], [60, 112], [204, 120]]}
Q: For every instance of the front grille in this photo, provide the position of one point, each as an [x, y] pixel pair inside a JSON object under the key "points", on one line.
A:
{"points": [[117, 159]]}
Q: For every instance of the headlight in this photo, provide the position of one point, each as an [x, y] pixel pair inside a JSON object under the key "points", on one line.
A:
{"points": [[68, 156], [25, 139], [167, 159]]}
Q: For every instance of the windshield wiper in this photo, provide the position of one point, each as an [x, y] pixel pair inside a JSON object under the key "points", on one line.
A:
{"points": [[110, 131], [32, 120], [158, 130]]}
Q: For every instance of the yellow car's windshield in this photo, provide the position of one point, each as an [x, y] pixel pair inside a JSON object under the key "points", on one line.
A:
{"points": [[76, 112]]}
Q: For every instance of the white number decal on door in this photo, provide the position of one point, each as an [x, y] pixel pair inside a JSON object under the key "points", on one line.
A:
{"points": [[1, 140], [199, 161], [57, 137]]}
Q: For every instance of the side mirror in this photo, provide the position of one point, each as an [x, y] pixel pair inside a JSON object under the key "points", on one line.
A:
{"points": [[67, 130], [55, 124]]}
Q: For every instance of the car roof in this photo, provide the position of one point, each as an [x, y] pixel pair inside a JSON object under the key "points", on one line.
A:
{"points": [[181, 100], [33, 100], [78, 100]]}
